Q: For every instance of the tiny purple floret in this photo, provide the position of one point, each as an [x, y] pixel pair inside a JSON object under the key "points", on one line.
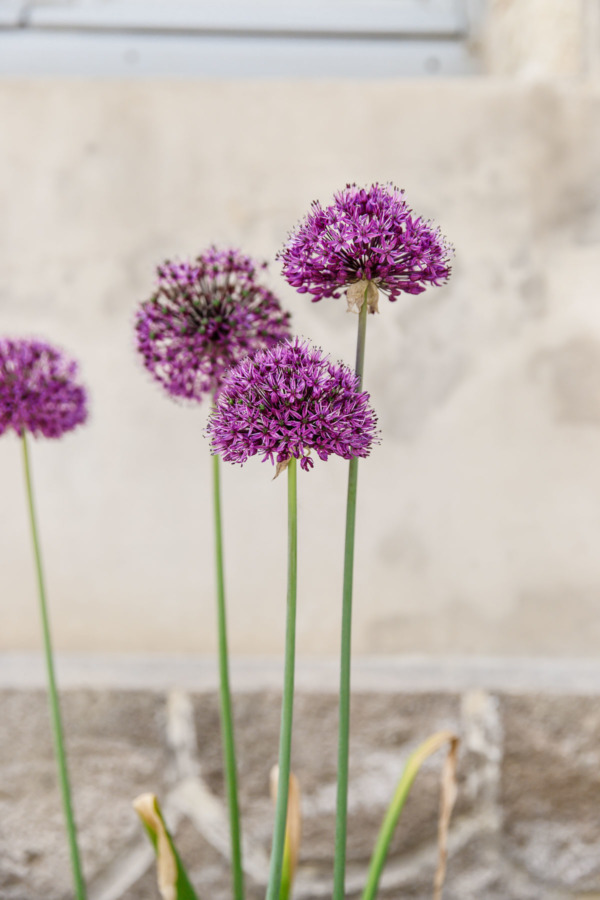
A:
{"points": [[367, 234], [288, 401], [39, 391], [203, 318]]}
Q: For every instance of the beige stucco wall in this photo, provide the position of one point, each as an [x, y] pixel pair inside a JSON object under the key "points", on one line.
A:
{"points": [[479, 514]]}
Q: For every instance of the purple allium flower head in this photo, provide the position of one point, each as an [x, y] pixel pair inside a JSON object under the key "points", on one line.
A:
{"points": [[288, 401], [38, 389], [205, 316], [368, 237]]}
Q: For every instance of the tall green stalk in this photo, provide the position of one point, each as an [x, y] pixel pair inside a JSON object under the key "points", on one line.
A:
{"points": [[225, 697], [285, 734], [339, 871], [57, 731]]}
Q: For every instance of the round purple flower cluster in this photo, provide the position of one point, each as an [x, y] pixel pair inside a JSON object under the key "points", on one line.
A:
{"points": [[38, 389], [366, 235], [205, 316], [288, 401]]}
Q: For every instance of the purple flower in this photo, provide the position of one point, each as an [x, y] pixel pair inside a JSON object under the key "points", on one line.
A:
{"points": [[38, 389], [369, 238], [204, 317], [288, 401]]}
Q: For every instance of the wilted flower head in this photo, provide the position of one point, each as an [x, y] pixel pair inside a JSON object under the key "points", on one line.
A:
{"points": [[38, 389], [205, 316], [288, 401], [367, 240]]}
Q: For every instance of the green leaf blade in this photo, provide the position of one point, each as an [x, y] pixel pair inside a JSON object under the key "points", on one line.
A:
{"points": [[448, 796]]}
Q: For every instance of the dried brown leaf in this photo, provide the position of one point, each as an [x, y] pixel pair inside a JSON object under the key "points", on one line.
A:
{"points": [[449, 792]]}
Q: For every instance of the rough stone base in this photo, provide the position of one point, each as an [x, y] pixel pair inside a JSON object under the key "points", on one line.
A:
{"points": [[526, 825]]}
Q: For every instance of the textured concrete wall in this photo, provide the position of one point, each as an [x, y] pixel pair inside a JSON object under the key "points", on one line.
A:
{"points": [[479, 520]]}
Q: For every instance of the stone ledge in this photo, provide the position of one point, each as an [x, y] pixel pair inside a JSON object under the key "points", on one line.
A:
{"points": [[385, 674]]}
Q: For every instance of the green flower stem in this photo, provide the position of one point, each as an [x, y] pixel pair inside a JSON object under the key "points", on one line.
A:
{"points": [[285, 735], [59, 749], [339, 871], [225, 697]]}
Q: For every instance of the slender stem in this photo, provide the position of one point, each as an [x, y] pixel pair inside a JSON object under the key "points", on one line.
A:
{"points": [[225, 697], [285, 734], [57, 731], [339, 871]]}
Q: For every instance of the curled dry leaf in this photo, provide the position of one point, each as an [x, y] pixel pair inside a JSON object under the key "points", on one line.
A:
{"points": [[147, 808], [173, 881]]}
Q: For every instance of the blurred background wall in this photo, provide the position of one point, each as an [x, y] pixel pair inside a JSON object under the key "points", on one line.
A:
{"points": [[132, 132]]}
